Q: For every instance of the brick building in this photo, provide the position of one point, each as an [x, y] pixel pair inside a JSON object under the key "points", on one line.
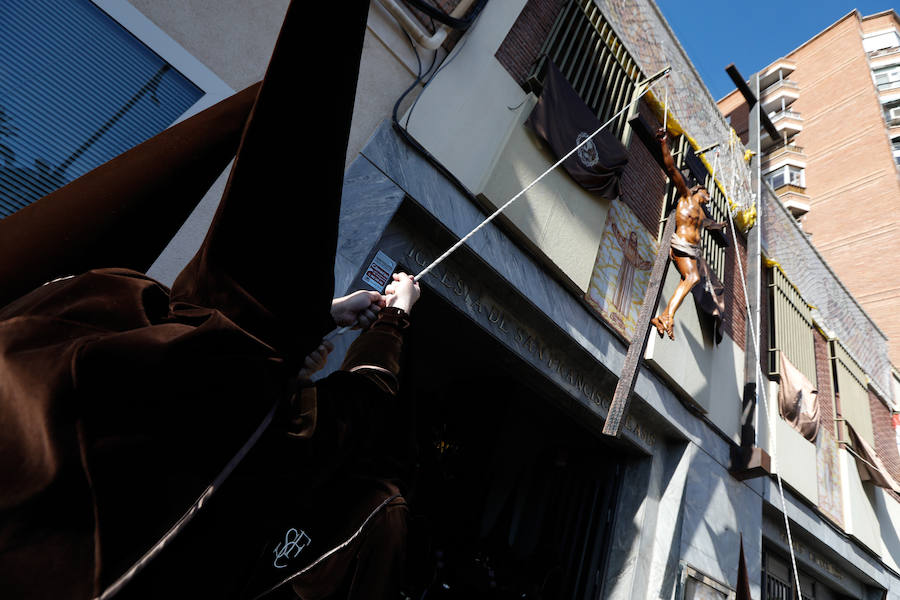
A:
{"points": [[836, 103]]}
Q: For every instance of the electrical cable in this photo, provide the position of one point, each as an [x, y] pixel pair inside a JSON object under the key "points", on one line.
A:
{"points": [[451, 22]]}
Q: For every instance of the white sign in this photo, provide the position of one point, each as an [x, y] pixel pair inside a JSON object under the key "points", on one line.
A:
{"points": [[378, 274]]}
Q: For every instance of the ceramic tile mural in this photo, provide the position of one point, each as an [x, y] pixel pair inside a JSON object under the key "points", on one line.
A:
{"points": [[622, 270]]}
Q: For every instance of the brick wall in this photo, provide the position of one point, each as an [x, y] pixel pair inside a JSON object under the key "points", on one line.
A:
{"points": [[885, 442], [740, 121], [643, 185], [522, 44], [823, 383], [734, 322]]}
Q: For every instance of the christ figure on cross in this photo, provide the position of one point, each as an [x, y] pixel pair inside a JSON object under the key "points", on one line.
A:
{"points": [[685, 250]]}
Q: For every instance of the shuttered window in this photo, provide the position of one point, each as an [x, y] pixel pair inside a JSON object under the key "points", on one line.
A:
{"points": [[590, 56], [76, 89], [853, 394], [790, 327]]}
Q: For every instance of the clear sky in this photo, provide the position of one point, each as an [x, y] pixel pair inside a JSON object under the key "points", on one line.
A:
{"points": [[750, 34]]}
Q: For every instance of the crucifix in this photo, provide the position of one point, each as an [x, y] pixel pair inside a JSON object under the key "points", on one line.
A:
{"points": [[680, 243]]}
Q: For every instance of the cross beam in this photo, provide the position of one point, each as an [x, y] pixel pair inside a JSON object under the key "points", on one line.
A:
{"points": [[751, 100]]}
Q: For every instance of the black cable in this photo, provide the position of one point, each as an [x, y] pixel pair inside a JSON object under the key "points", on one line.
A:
{"points": [[410, 139], [430, 79], [452, 22]]}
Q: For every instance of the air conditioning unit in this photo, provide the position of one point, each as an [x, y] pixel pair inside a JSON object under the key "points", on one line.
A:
{"points": [[894, 113]]}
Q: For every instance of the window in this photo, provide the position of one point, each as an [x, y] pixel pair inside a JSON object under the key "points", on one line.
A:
{"points": [[887, 78], [790, 327], [881, 41], [786, 175], [892, 112], [895, 147], [78, 87], [851, 387], [590, 56], [778, 580]]}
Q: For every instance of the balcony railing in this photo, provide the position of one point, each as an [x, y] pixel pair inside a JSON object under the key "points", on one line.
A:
{"points": [[782, 150], [781, 84], [884, 52], [785, 114], [890, 85]]}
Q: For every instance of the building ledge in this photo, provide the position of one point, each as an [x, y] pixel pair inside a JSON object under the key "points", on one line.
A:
{"points": [[784, 154]]}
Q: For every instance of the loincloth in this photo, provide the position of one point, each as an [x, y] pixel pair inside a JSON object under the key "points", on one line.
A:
{"points": [[684, 247]]}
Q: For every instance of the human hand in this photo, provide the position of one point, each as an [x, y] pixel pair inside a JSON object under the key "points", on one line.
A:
{"points": [[315, 360], [403, 292], [661, 134], [358, 309]]}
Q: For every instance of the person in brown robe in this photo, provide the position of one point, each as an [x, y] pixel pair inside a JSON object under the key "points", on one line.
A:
{"points": [[145, 432]]}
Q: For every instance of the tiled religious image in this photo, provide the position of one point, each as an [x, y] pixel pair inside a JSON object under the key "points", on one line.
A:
{"points": [[622, 270]]}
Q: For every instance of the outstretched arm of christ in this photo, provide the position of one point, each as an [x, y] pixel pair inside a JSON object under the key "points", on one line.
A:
{"points": [[674, 174]]}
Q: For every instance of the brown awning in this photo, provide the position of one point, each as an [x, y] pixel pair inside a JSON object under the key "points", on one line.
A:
{"points": [[798, 400], [870, 467]]}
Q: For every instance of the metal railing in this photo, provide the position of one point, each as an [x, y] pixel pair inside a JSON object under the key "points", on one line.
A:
{"points": [[884, 52], [584, 47], [776, 589], [790, 327], [785, 114], [781, 83]]}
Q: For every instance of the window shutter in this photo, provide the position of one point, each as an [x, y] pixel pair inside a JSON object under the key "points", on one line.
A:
{"points": [[76, 89]]}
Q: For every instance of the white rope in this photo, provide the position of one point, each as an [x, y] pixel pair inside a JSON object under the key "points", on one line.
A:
{"points": [[341, 330], [761, 391], [462, 241], [666, 107]]}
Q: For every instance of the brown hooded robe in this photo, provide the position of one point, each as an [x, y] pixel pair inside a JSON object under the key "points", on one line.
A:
{"points": [[120, 400]]}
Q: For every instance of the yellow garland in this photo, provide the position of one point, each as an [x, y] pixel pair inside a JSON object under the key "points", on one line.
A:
{"points": [[743, 218]]}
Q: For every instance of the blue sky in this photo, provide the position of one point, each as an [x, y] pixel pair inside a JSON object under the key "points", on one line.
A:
{"points": [[750, 34]]}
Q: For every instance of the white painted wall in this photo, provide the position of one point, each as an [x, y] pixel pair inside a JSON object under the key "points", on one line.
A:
{"points": [[860, 519], [463, 117], [709, 374], [796, 460], [887, 512], [557, 215]]}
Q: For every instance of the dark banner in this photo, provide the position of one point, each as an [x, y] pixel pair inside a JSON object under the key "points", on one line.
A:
{"points": [[563, 120], [709, 295]]}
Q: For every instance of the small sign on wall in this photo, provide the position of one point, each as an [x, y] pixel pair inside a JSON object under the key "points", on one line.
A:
{"points": [[378, 273]]}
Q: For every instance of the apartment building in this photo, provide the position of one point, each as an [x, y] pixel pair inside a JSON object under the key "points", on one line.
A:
{"points": [[835, 103], [521, 335]]}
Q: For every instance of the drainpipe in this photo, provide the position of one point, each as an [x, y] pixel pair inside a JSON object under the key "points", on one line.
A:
{"points": [[415, 29]]}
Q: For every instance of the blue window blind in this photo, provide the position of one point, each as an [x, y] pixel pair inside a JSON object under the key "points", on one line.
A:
{"points": [[76, 89]]}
